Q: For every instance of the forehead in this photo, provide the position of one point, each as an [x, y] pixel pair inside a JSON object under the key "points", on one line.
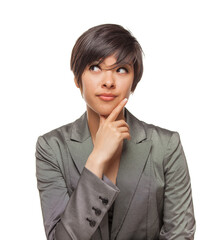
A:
{"points": [[109, 61]]}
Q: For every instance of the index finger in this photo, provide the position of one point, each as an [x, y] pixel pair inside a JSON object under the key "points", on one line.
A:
{"points": [[114, 114]]}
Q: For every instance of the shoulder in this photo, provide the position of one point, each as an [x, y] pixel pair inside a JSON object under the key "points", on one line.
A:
{"points": [[163, 140], [61, 134], [151, 130], [52, 145], [58, 134], [166, 146], [160, 136], [158, 133]]}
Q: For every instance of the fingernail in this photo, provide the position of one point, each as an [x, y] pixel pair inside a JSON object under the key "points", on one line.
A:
{"points": [[125, 99]]}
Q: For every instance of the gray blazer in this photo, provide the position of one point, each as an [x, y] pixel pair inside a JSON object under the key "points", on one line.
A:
{"points": [[152, 196]]}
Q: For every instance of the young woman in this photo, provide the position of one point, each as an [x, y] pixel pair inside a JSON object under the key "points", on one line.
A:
{"points": [[109, 175]]}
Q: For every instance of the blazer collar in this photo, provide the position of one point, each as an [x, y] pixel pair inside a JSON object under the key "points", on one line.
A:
{"points": [[80, 130], [134, 156]]}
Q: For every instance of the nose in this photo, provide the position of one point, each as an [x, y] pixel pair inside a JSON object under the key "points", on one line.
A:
{"points": [[108, 80]]}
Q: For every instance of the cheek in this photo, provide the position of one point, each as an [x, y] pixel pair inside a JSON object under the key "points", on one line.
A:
{"points": [[88, 91], [87, 87], [126, 87], [128, 93]]}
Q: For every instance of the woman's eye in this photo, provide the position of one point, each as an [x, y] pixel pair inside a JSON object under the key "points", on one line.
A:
{"points": [[122, 70], [94, 68]]}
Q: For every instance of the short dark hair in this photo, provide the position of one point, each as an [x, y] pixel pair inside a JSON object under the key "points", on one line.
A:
{"points": [[105, 40]]}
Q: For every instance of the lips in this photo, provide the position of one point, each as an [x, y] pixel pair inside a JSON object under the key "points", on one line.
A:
{"points": [[107, 96]]}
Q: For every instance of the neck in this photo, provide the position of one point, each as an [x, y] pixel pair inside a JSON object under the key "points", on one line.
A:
{"points": [[93, 119]]}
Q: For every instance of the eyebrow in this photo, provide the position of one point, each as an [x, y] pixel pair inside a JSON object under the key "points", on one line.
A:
{"points": [[94, 63]]}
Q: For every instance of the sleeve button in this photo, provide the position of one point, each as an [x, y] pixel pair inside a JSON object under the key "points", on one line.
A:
{"points": [[91, 222], [97, 211], [104, 200]]}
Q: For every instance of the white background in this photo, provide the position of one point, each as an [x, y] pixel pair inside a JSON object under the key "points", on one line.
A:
{"points": [[37, 92]]}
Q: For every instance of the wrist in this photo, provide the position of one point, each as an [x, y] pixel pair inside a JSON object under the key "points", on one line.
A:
{"points": [[95, 164]]}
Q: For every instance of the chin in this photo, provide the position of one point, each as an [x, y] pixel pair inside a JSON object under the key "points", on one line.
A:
{"points": [[102, 110], [105, 111]]}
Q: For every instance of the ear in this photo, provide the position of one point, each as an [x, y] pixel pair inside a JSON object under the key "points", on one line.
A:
{"points": [[76, 83], [78, 86]]}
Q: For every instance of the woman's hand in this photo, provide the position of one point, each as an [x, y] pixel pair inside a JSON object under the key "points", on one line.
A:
{"points": [[109, 137], [110, 134]]}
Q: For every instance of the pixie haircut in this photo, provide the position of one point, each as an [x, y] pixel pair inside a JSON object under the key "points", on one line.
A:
{"points": [[102, 41]]}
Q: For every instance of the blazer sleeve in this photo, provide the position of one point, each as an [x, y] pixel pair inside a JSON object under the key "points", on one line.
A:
{"points": [[178, 218], [70, 216]]}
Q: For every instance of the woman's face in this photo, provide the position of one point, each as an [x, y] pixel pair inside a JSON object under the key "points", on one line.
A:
{"points": [[103, 88]]}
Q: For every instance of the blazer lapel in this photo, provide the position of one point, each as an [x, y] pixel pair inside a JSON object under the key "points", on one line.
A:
{"points": [[134, 156], [80, 142]]}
